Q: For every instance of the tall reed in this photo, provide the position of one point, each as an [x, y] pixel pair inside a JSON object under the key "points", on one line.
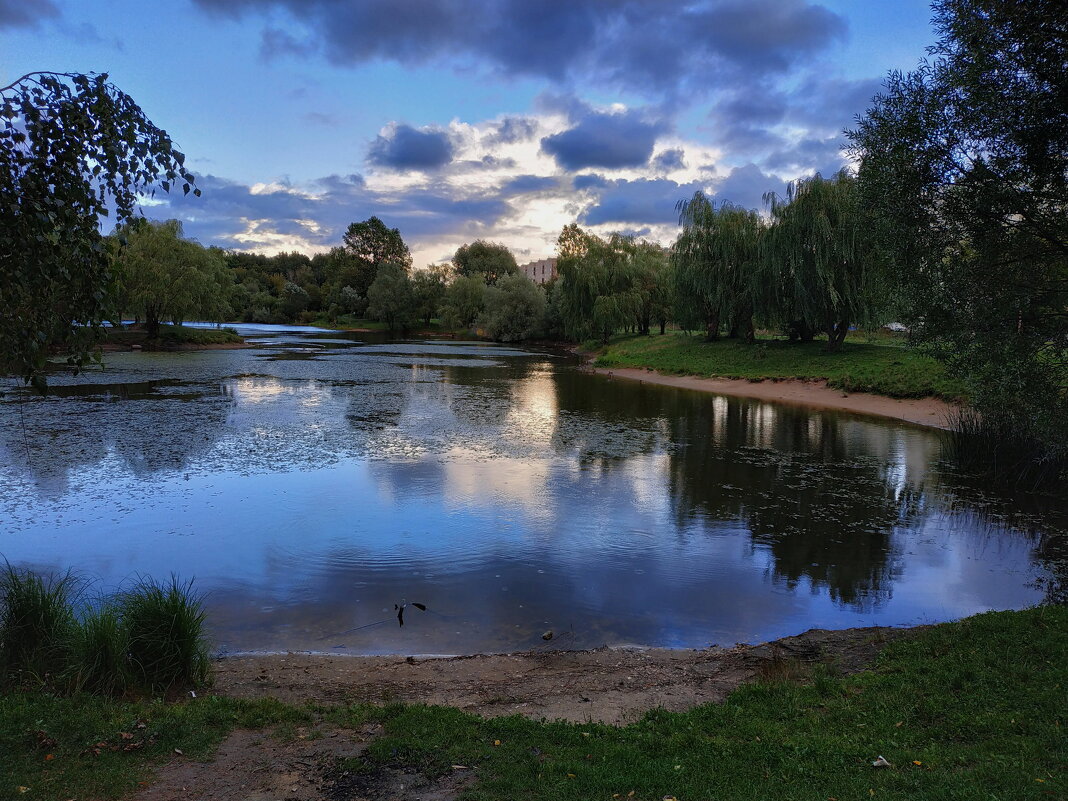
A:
{"points": [[1005, 450]]}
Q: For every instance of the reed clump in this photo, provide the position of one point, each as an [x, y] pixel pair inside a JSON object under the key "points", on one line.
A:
{"points": [[1006, 450], [147, 638]]}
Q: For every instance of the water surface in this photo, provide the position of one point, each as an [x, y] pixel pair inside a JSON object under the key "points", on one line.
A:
{"points": [[315, 481]]}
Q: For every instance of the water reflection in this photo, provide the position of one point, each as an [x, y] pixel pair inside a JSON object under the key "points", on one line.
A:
{"points": [[508, 491]]}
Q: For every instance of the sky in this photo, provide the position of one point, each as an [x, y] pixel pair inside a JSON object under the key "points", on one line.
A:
{"points": [[456, 120]]}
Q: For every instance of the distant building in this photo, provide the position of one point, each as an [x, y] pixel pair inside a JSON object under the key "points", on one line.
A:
{"points": [[540, 272]]}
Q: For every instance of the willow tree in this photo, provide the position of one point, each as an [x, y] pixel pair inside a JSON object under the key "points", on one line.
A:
{"points": [[162, 275], [599, 291], [820, 260], [716, 260]]}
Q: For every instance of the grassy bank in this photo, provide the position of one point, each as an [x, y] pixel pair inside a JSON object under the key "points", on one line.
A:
{"points": [[883, 369], [172, 336], [965, 710]]}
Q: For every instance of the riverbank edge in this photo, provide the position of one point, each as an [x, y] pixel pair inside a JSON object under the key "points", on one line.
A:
{"points": [[930, 412], [614, 685]]}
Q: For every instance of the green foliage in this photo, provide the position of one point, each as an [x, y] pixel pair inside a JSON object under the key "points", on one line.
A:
{"points": [[606, 284], [491, 260], [390, 297], [464, 301], [889, 370], [515, 309], [717, 266], [428, 291], [164, 631], [162, 275], [965, 165], [821, 263], [36, 624], [372, 245], [72, 149]]}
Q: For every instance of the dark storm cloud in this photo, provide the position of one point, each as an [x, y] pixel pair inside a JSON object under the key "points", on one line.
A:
{"points": [[527, 184], [633, 43], [512, 129], [407, 148], [641, 201], [231, 214], [26, 13], [605, 140], [746, 186], [670, 160], [809, 155], [653, 201]]}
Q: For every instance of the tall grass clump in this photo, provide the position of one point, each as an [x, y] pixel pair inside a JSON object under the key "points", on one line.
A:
{"points": [[99, 657], [37, 623], [1001, 448], [164, 626]]}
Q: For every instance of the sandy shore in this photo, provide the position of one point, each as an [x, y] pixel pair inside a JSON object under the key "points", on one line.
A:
{"points": [[932, 412], [609, 685]]}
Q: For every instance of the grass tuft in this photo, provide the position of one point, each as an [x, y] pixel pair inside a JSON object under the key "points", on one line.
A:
{"points": [[165, 630], [36, 624], [99, 659]]}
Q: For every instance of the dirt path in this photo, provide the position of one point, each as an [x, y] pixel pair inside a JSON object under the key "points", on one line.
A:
{"points": [[606, 685], [932, 412]]}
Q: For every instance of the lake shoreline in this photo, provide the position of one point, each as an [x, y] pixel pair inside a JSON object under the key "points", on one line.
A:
{"points": [[613, 685], [930, 412]]}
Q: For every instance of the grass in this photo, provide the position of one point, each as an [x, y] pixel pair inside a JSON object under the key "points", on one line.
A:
{"points": [[174, 335], [164, 630], [884, 369], [37, 624], [967, 710], [89, 746], [149, 638]]}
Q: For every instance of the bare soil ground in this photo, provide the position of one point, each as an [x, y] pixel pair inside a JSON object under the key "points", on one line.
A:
{"points": [[606, 685]]}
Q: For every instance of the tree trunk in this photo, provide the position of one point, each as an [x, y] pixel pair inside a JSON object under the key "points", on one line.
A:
{"points": [[152, 323], [663, 325], [836, 334], [712, 328]]}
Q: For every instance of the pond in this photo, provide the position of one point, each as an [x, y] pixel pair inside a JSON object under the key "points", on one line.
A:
{"points": [[311, 483]]}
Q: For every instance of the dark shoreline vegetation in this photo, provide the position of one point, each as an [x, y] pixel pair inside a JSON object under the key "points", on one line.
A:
{"points": [[170, 337], [967, 709]]}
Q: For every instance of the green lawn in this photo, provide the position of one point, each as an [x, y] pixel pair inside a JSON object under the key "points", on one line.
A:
{"points": [[968, 710], [884, 369]]}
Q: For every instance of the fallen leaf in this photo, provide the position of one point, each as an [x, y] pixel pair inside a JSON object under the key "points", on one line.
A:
{"points": [[496, 742], [125, 735], [49, 757], [916, 762], [178, 750], [571, 775]]}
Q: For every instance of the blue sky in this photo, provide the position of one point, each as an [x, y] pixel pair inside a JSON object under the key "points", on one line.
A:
{"points": [[462, 119]]}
